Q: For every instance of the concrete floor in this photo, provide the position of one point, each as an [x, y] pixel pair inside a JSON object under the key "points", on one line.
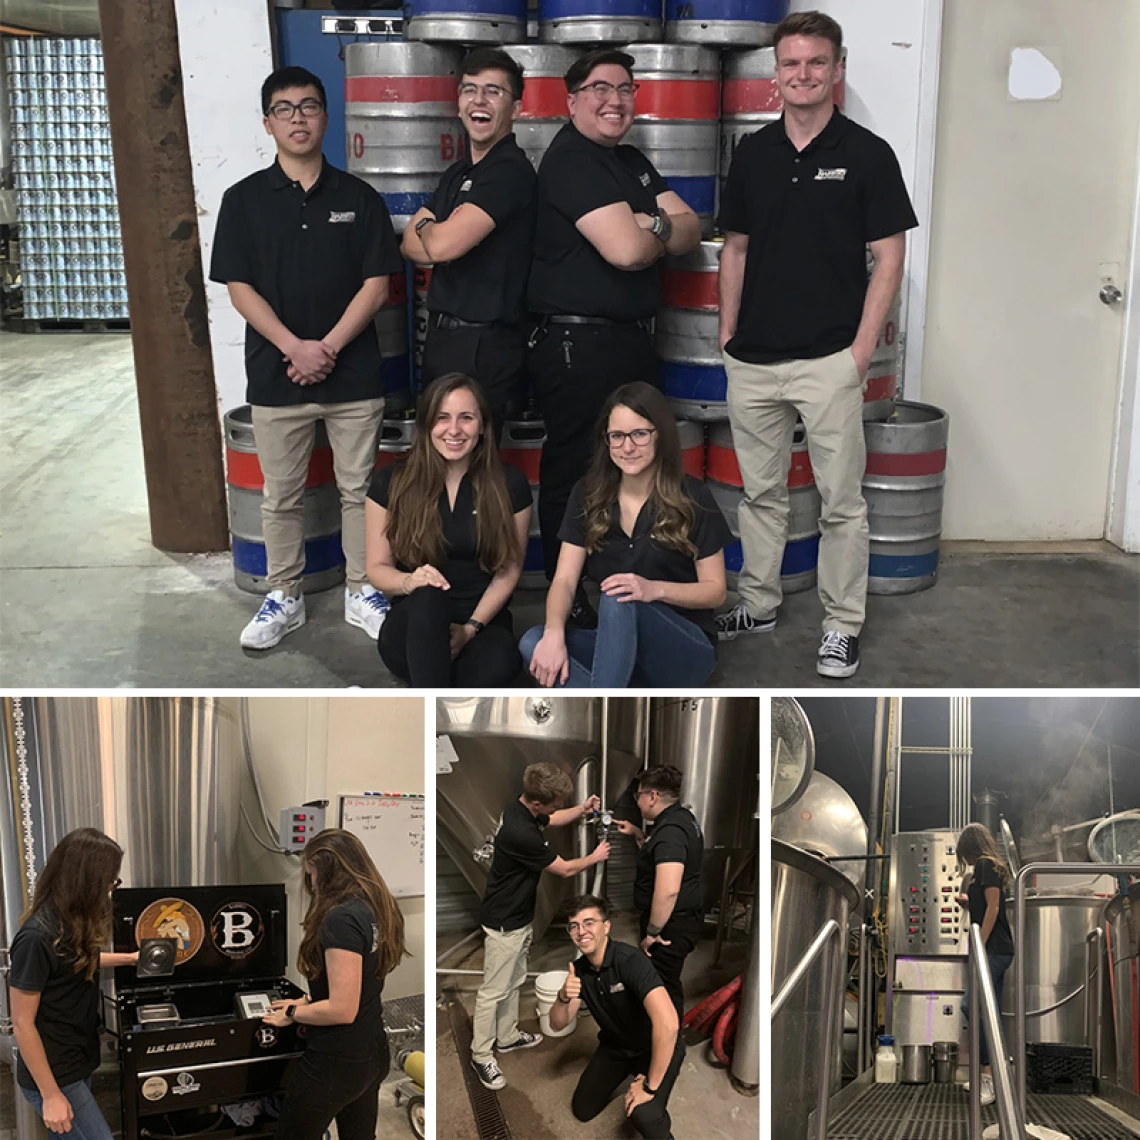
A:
{"points": [[86, 601], [541, 1081]]}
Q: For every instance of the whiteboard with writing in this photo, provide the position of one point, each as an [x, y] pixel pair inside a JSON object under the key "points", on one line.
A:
{"points": [[391, 827]]}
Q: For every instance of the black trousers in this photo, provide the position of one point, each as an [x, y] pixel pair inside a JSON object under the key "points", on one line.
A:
{"points": [[573, 369], [414, 644], [681, 932], [495, 356], [323, 1089], [607, 1069]]}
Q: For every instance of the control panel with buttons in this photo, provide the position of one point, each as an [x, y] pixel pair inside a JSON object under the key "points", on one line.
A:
{"points": [[927, 920], [299, 825]]}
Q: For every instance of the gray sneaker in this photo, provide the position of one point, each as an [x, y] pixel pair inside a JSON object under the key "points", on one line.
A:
{"points": [[490, 1075]]}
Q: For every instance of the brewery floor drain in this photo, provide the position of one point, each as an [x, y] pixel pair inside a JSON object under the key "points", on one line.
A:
{"points": [[942, 1112]]}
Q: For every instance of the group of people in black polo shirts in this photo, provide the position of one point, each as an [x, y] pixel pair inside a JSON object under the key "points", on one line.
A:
{"points": [[549, 283], [634, 993]]}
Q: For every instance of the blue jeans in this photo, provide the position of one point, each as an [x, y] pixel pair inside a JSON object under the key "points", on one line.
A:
{"points": [[87, 1123], [636, 643], [998, 964]]}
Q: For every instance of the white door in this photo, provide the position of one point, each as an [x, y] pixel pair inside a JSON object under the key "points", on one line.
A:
{"points": [[1032, 206]]}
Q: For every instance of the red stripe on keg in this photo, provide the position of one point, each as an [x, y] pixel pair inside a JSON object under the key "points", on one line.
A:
{"points": [[880, 388], [762, 96], [243, 469], [693, 461], [723, 467], [421, 278], [688, 289], [678, 99], [400, 89], [907, 463], [544, 97], [526, 459], [800, 473]]}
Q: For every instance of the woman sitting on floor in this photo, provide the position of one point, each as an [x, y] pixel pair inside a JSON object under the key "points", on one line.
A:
{"points": [[653, 539], [445, 529]]}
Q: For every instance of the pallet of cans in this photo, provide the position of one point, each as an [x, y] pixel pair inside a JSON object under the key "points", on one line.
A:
{"points": [[72, 252]]}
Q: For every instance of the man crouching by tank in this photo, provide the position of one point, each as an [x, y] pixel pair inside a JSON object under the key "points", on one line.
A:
{"points": [[637, 1021]]}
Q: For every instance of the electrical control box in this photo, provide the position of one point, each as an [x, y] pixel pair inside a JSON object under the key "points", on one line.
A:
{"points": [[926, 920], [299, 825]]}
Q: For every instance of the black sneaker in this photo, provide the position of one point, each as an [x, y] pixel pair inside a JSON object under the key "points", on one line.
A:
{"points": [[838, 654], [490, 1075], [523, 1041], [732, 623], [582, 614]]}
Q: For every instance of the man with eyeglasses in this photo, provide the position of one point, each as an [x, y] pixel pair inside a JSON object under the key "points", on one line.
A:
{"points": [[605, 218], [520, 857], [667, 884], [305, 251], [638, 1026], [477, 230]]}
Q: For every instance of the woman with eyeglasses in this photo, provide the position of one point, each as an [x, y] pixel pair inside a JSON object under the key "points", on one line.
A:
{"points": [[653, 540], [55, 961], [445, 531], [353, 937]]}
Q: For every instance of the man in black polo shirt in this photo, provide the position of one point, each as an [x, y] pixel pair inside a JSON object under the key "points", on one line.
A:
{"points": [[804, 198], [605, 218], [305, 251], [477, 230], [638, 1027], [667, 886], [521, 855]]}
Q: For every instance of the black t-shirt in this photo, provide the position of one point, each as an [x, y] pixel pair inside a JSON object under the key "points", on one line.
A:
{"points": [[521, 855], [488, 283], [615, 994], [674, 837], [642, 554], [568, 274], [307, 254], [351, 926], [986, 875], [808, 216], [460, 567], [68, 1016]]}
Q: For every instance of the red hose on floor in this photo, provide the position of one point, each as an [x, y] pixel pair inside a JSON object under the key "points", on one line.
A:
{"points": [[725, 1028], [704, 1013]]}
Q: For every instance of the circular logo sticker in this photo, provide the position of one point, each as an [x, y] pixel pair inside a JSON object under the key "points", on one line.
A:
{"points": [[173, 918], [237, 930], [154, 1088], [267, 1036]]}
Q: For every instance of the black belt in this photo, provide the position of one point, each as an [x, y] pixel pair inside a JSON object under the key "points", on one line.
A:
{"points": [[572, 319], [447, 321]]}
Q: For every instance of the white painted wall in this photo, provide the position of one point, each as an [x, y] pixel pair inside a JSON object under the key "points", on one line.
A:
{"points": [[319, 748], [226, 52]]}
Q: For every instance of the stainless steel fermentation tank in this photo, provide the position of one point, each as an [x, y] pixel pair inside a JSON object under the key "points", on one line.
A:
{"points": [[1122, 927]]}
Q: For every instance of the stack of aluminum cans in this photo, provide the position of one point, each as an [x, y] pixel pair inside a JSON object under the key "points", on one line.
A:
{"points": [[71, 248]]}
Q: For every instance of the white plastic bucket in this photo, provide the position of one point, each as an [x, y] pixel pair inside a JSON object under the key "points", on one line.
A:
{"points": [[546, 987]]}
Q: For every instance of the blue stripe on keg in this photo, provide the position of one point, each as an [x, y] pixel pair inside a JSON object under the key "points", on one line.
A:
{"points": [[801, 555], [699, 194], [903, 565], [749, 11], [405, 204], [564, 9], [734, 557], [701, 382], [509, 8], [396, 372], [321, 554]]}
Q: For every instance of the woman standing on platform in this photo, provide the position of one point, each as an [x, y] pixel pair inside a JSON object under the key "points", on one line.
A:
{"points": [[56, 957], [353, 938]]}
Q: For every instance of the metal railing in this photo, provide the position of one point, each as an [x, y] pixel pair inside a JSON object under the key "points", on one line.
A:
{"points": [[829, 932], [983, 1002], [1094, 995], [1075, 869]]}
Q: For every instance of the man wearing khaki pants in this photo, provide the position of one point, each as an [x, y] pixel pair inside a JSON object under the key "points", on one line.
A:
{"points": [[305, 251], [804, 198], [521, 855]]}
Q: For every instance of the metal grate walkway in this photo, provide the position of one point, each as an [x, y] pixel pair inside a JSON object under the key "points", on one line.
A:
{"points": [[942, 1112]]}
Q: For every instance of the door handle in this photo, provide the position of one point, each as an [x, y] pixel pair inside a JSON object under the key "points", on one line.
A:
{"points": [[1110, 294]]}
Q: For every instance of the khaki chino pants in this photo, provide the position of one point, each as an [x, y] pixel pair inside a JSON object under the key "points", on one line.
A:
{"points": [[497, 1002], [284, 438], [763, 402]]}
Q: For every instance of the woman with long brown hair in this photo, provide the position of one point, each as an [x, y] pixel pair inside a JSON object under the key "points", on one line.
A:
{"points": [[445, 531], [987, 878], [653, 539], [56, 957], [353, 938]]}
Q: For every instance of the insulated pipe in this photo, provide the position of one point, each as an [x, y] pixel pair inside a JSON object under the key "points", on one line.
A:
{"points": [[873, 818], [745, 1072], [1094, 995], [861, 1020], [1010, 1114]]}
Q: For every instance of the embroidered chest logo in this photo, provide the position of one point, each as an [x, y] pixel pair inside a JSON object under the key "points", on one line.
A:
{"points": [[342, 216], [831, 174], [466, 185], [644, 180], [617, 988]]}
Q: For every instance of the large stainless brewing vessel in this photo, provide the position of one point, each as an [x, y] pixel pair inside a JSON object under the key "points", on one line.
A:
{"points": [[495, 738], [1122, 928], [715, 742], [806, 893]]}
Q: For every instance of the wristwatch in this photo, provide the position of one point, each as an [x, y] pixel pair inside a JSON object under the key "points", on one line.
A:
{"points": [[563, 1000], [645, 1088], [290, 1011], [423, 222], [475, 624], [662, 226], [653, 931]]}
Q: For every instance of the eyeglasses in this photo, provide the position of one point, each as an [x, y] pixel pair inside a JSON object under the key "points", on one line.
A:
{"points": [[603, 90], [310, 108], [487, 90], [585, 924], [640, 436]]}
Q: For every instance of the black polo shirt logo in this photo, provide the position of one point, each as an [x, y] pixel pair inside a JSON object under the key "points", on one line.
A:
{"points": [[342, 216], [465, 187], [831, 174], [617, 988], [644, 179]]}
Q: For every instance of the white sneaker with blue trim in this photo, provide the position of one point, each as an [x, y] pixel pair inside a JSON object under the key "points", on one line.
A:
{"points": [[279, 615], [367, 609]]}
